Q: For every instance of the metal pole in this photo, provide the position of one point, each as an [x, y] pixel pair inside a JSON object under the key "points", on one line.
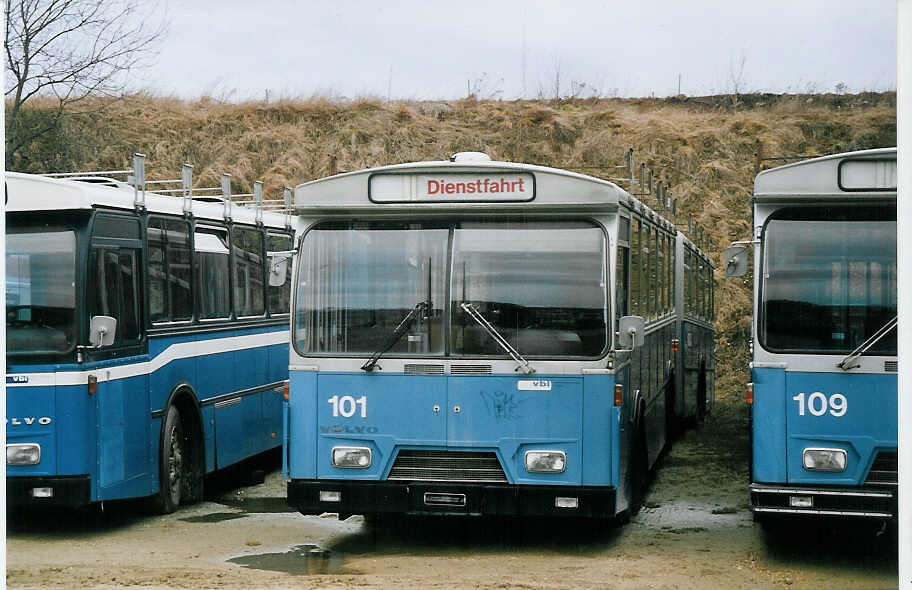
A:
{"points": [[139, 180], [187, 187], [226, 194], [258, 197], [631, 168], [287, 196]]}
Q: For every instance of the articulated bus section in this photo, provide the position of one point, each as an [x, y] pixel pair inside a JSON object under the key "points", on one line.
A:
{"points": [[486, 338]]}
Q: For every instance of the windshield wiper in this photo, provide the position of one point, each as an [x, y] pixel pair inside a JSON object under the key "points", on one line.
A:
{"points": [[398, 333], [846, 363], [470, 309]]}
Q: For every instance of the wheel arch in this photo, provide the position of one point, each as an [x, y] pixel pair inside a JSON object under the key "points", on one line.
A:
{"points": [[183, 397]]}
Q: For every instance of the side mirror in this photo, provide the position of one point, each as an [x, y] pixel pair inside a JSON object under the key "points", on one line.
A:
{"points": [[734, 261], [631, 332], [278, 269], [101, 331]]}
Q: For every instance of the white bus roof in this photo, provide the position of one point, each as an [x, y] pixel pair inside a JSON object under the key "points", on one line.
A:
{"points": [[408, 188], [861, 175], [30, 192]]}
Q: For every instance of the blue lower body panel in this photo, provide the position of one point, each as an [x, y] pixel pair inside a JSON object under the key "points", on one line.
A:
{"points": [[798, 414]]}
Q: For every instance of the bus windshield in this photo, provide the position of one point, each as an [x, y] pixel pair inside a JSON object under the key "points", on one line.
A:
{"points": [[829, 281], [542, 285], [40, 291]]}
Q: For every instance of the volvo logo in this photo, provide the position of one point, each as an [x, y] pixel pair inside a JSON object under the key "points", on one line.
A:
{"points": [[343, 429], [17, 379], [28, 421]]}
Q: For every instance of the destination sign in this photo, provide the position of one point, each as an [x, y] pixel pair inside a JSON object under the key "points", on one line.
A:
{"points": [[463, 187]]}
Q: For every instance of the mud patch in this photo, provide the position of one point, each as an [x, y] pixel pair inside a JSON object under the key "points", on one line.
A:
{"points": [[300, 561], [689, 516], [256, 504], [214, 517]]}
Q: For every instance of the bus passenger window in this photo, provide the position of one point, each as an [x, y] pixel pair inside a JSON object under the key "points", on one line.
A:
{"points": [[635, 255], [622, 279], [170, 294], [211, 246], [647, 272], [247, 245], [279, 298]]}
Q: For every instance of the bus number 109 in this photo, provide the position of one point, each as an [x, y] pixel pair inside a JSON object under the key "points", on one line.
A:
{"points": [[818, 404]]}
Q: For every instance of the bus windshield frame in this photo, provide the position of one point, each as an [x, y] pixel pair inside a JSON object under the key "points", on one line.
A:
{"points": [[376, 272], [828, 280], [42, 297]]}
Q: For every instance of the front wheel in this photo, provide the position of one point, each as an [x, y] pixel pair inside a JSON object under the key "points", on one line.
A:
{"points": [[174, 465]]}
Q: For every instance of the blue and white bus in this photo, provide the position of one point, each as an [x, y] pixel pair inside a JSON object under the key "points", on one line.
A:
{"points": [[147, 339], [824, 364], [477, 337]]}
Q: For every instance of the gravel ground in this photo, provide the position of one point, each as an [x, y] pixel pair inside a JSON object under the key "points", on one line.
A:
{"points": [[695, 531]]}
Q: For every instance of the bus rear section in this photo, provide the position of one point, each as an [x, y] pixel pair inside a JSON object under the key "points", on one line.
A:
{"points": [[824, 432]]}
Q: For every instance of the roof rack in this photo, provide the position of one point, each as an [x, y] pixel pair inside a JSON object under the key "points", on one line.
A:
{"points": [[641, 183], [136, 177]]}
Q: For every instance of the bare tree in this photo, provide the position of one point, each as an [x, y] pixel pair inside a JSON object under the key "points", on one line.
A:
{"points": [[68, 50]]}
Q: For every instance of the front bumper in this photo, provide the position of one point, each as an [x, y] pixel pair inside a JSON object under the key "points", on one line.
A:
{"points": [[862, 502], [72, 491], [429, 498]]}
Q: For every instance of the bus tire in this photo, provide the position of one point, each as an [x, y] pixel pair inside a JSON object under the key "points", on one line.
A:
{"points": [[700, 411], [638, 473], [672, 421], [174, 468]]}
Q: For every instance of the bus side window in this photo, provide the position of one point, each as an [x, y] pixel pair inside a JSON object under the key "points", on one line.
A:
{"points": [[621, 281], [249, 268], [279, 298], [116, 289], [635, 256], [212, 272], [647, 287], [170, 284]]}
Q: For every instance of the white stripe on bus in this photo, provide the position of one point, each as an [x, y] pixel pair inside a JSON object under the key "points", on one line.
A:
{"points": [[178, 351]]}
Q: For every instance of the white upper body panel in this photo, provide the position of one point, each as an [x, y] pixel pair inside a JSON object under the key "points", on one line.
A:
{"points": [[30, 192], [867, 174], [463, 185]]}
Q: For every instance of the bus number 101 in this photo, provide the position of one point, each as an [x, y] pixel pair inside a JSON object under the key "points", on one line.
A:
{"points": [[346, 406], [818, 404]]}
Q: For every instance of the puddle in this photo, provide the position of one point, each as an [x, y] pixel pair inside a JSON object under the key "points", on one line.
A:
{"points": [[214, 517], [300, 560], [256, 505]]}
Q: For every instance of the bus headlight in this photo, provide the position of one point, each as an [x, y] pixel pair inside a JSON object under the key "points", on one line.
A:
{"points": [[545, 461], [23, 454], [833, 460], [351, 457]]}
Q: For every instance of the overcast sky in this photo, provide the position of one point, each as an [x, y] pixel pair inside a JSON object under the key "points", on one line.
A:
{"points": [[240, 49]]}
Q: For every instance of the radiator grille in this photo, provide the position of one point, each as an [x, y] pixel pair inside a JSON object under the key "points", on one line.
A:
{"points": [[470, 369], [413, 369], [891, 366], [455, 466], [883, 471]]}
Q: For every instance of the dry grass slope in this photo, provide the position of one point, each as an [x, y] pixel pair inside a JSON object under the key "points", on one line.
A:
{"points": [[704, 148]]}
